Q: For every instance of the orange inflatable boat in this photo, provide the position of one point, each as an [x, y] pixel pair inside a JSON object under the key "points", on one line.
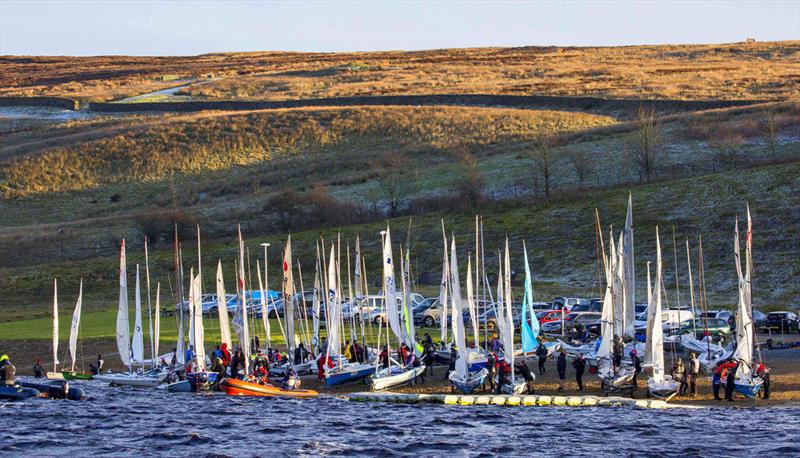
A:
{"points": [[235, 387]]}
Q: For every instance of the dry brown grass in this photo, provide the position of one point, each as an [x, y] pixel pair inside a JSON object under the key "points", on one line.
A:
{"points": [[767, 71], [208, 142]]}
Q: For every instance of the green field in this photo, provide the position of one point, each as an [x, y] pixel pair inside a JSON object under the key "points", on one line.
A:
{"points": [[102, 325]]}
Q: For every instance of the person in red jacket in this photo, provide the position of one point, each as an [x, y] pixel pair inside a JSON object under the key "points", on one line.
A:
{"points": [[226, 354], [763, 372]]}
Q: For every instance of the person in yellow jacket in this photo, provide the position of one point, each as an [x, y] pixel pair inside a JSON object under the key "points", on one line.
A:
{"points": [[348, 351]]}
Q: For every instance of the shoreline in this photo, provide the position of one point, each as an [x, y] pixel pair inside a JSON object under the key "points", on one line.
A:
{"points": [[784, 370]]}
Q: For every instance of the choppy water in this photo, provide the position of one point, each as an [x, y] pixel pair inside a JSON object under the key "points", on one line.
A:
{"points": [[140, 422]]}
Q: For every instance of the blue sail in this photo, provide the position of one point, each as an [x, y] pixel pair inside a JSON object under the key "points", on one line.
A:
{"points": [[530, 331]]}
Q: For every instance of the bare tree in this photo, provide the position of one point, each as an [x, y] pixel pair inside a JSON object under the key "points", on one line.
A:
{"points": [[728, 144], [544, 160], [771, 130], [648, 138], [394, 177], [471, 183], [583, 163]]}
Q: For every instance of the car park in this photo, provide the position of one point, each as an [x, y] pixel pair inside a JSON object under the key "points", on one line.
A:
{"points": [[783, 322], [704, 327]]}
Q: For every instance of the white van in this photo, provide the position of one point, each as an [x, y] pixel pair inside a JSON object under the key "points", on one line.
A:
{"points": [[670, 318]]}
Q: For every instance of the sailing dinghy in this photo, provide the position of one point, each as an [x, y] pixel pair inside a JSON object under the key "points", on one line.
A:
{"points": [[462, 379], [746, 382], [338, 370], [398, 374], [659, 385], [505, 323], [144, 378]]}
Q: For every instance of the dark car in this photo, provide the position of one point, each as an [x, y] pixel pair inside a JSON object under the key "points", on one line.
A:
{"points": [[590, 306], [759, 320], [782, 322]]}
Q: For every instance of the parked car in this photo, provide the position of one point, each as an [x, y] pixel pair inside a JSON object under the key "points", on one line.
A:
{"points": [[670, 318], [568, 302], [547, 316], [759, 320], [378, 315], [573, 318], [721, 314], [783, 321], [588, 306], [716, 327], [432, 316], [541, 306], [488, 319]]}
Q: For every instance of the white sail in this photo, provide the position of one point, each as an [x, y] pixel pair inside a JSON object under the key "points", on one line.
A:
{"points": [[123, 327], [222, 309], [357, 272], [457, 315], [264, 308], [651, 318], [655, 346], [408, 314], [390, 292], [508, 320], [157, 324], [604, 368], [244, 336], [617, 291], [55, 324], [471, 303], [73, 331], [195, 295], [138, 334], [443, 290], [334, 309], [288, 296], [153, 354], [315, 306], [744, 319], [628, 270]]}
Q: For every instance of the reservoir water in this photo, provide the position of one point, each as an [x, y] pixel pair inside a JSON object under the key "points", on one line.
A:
{"points": [[143, 422]]}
